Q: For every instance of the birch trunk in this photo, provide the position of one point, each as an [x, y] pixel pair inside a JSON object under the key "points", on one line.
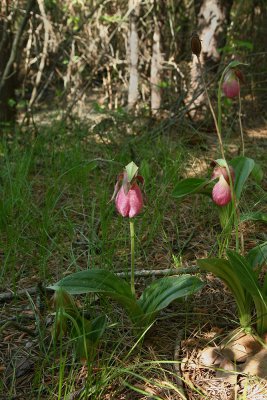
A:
{"points": [[155, 72], [212, 22], [133, 93]]}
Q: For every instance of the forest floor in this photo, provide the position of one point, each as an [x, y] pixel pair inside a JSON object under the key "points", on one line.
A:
{"points": [[56, 219]]}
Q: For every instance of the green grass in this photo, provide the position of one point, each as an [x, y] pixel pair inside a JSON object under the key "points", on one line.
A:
{"points": [[55, 191]]}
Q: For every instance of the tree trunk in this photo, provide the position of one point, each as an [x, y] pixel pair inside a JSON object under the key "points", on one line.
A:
{"points": [[10, 58], [133, 93], [7, 94], [155, 72], [212, 21]]}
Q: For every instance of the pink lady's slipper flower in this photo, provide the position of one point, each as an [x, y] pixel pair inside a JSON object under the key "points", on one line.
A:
{"points": [[128, 195], [231, 83], [221, 193]]}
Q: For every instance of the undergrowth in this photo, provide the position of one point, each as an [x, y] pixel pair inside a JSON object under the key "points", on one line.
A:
{"points": [[56, 218]]}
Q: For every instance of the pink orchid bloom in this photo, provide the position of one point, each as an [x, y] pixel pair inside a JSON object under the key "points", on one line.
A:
{"points": [[231, 83], [127, 194], [221, 193], [231, 87], [129, 204]]}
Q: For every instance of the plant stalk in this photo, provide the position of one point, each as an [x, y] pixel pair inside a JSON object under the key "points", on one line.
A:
{"points": [[235, 209], [218, 129], [234, 202], [132, 255], [240, 124]]}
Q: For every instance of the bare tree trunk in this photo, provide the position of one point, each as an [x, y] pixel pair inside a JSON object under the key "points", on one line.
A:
{"points": [[7, 112], [155, 72], [9, 60], [133, 93], [212, 22]]}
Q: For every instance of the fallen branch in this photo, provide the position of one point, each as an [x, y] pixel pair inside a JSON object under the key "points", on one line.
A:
{"points": [[11, 295], [160, 272], [18, 326]]}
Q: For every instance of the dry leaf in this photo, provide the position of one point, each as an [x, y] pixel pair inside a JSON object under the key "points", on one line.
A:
{"points": [[256, 365], [210, 356], [241, 347], [227, 372]]}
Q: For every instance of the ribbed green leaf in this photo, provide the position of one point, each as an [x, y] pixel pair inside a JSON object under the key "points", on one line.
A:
{"points": [[189, 186], [249, 281], [242, 167], [247, 276], [163, 291], [101, 281], [223, 270], [258, 255]]}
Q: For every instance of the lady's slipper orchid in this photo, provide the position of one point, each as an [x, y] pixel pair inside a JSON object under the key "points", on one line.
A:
{"points": [[128, 198], [221, 193], [130, 204], [231, 83]]}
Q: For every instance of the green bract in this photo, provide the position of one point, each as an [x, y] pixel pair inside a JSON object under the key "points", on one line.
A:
{"points": [[131, 170]]}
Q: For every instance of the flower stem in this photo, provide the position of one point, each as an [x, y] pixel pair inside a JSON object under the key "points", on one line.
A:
{"points": [[132, 255], [234, 213], [240, 124], [218, 129]]}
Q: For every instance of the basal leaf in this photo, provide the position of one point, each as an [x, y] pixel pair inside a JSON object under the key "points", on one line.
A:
{"points": [[163, 291], [246, 275], [223, 270], [248, 278], [258, 255], [104, 282]]}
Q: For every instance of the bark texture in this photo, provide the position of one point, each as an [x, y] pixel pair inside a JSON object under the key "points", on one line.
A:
{"points": [[7, 111], [133, 93], [10, 43], [212, 21], [156, 66]]}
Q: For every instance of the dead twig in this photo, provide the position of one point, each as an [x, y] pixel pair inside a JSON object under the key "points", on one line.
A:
{"points": [[18, 326]]}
